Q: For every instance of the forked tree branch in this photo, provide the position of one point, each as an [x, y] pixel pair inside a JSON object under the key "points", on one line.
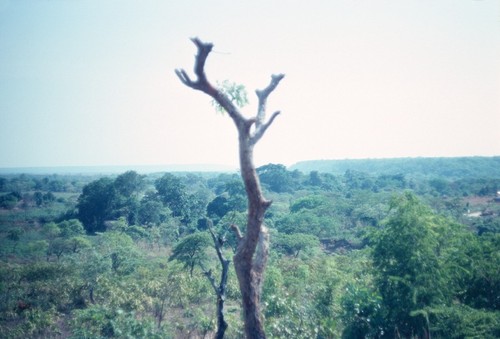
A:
{"points": [[260, 124], [260, 129], [218, 243], [210, 277], [262, 95], [202, 84]]}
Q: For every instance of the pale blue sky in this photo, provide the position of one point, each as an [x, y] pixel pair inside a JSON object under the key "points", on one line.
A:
{"points": [[93, 83]]}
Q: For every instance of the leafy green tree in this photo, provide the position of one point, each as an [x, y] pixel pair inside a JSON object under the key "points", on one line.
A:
{"points": [[362, 312], [173, 194], [235, 187], [58, 247], [57, 186], [232, 198], [408, 271], [9, 201], [482, 281], [94, 265], [296, 243], [308, 222], [152, 212], [14, 235], [189, 207], [121, 250], [315, 179], [488, 225], [96, 204], [390, 182], [276, 178], [462, 321], [440, 186], [218, 207], [37, 248], [78, 243], [51, 230], [223, 204], [48, 198], [196, 207], [356, 180], [191, 250], [301, 297], [225, 182], [128, 187], [65, 237], [309, 202], [38, 197], [129, 183], [70, 228]]}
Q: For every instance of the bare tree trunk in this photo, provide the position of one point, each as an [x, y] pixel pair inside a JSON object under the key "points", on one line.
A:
{"points": [[251, 256]]}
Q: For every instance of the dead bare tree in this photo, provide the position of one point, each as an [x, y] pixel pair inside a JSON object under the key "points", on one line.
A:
{"points": [[220, 290], [251, 255]]}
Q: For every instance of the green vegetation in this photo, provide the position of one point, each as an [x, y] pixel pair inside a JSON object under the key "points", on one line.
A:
{"points": [[353, 255], [460, 167], [235, 92]]}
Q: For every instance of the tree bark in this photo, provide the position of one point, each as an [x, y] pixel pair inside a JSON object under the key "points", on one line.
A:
{"points": [[251, 256]]}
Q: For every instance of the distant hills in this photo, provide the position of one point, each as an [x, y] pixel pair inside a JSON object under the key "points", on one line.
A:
{"points": [[463, 167]]}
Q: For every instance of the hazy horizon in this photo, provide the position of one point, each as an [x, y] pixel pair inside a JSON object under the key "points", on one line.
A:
{"points": [[157, 168], [112, 169], [92, 83]]}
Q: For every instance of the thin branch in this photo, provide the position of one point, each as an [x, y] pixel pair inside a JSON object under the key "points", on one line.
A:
{"points": [[259, 132], [217, 243], [262, 95], [184, 77], [211, 278]]}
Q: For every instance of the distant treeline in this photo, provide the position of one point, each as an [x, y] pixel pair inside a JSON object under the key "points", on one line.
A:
{"points": [[463, 167]]}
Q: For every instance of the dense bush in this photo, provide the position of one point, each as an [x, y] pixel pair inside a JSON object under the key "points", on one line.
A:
{"points": [[353, 255]]}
